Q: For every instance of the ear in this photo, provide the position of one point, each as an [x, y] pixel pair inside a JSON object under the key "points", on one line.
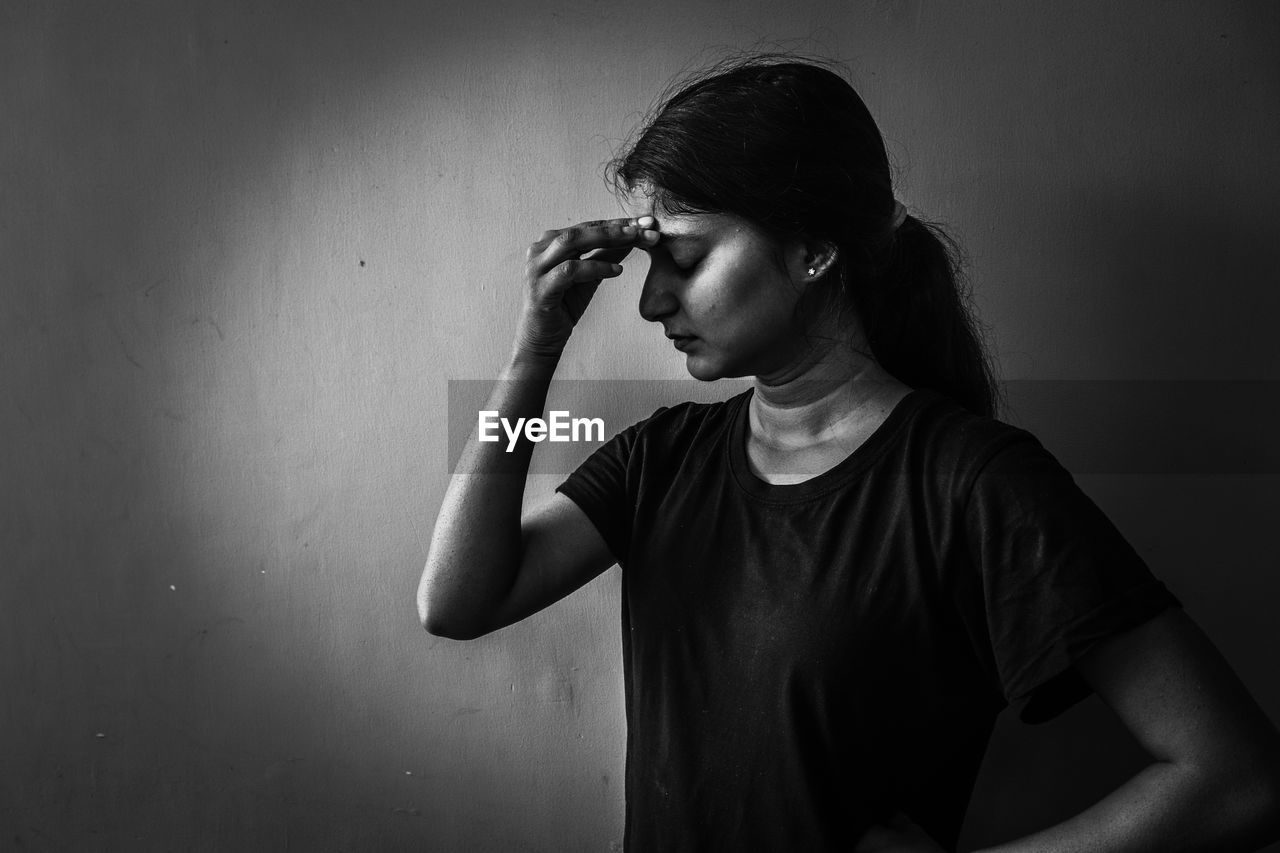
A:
{"points": [[808, 260]]}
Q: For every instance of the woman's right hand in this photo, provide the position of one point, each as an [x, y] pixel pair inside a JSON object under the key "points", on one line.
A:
{"points": [[559, 281]]}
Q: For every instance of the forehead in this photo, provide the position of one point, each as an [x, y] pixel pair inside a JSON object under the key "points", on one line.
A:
{"points": [[645, 200]]}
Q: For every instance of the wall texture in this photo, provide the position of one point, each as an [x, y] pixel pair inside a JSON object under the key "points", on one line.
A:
{"points": [[245, 245]]}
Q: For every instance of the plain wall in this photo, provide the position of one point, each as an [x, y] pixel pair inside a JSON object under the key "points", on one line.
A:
{"points": [[246, 245]]}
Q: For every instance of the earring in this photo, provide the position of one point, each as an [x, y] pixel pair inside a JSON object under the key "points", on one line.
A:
{"points": [[812, 271]]}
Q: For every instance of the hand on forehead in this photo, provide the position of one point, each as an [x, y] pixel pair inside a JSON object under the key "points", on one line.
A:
{"points": [[646, 200]]}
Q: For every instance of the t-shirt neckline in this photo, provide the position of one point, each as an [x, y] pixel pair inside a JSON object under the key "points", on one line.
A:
{"points": [[862, 456]]}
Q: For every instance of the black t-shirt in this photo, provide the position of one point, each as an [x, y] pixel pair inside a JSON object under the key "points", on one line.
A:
{"points": [[803, 660]]}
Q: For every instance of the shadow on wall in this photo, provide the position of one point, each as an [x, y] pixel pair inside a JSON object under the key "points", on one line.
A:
{"points": [[1185, 467], [1191, 279]]}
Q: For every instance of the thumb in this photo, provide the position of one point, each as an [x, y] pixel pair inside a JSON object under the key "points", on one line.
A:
{"points": [[612, 255]]}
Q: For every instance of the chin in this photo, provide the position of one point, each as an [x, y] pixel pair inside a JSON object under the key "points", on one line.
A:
{"points": [[704, 376], [707, 371], [702, 371]]}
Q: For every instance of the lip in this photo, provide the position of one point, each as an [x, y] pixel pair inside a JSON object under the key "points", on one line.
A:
{"points": [[682, 342]]}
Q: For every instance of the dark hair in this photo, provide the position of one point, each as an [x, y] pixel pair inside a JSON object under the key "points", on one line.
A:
{"points": [[789, 145]]}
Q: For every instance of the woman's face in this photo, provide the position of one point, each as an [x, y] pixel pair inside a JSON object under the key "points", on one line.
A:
{"points": [[716, 285]]}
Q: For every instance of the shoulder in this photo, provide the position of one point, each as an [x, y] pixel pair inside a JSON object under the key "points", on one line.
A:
{"points": [[947, 439]]}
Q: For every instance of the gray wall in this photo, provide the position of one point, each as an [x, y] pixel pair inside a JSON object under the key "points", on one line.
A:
{"points": [[245, 245]]}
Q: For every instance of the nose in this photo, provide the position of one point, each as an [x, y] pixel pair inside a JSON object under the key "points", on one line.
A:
{"points": [[657, 300]]}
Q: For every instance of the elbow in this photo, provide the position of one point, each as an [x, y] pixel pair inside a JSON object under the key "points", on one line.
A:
{"points": [[432, 617], [433, 622], [450, 631], [450, 610], [439, 624], [437, 627], [426, 616]]}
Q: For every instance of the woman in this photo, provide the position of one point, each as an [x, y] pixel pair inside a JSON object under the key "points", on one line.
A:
{"points": [[833, 582]]}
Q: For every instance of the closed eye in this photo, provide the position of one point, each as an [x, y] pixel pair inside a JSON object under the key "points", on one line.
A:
{"points": [[677, 247], [682, 263]]}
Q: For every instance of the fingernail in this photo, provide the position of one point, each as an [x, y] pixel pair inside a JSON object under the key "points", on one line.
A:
{"points": [[650, 236], [645, 221], [617, 268]]}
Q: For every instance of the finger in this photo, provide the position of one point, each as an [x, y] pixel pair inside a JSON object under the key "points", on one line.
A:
{"points": [[538, 246], [611, 255], [578, 298], [602, 222], [645, 223], [581, 271], [647, 238], [578, 239]]}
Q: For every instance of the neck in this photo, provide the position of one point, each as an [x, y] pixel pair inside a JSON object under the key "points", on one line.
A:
{"points": [[828, 393]]}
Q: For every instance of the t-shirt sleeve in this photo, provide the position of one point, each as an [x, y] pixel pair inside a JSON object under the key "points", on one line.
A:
{"points": [[1056, 576], [602, 487]]}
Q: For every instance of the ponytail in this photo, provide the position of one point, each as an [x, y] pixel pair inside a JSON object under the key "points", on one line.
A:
{"points": [[919, 322]]}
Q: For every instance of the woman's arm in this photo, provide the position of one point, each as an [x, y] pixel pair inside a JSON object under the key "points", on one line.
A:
{"points": [[480, 543], [1215, 783], [486, 566]]}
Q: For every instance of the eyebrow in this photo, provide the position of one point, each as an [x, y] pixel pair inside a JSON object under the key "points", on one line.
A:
{"points": [[686, 237]]}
